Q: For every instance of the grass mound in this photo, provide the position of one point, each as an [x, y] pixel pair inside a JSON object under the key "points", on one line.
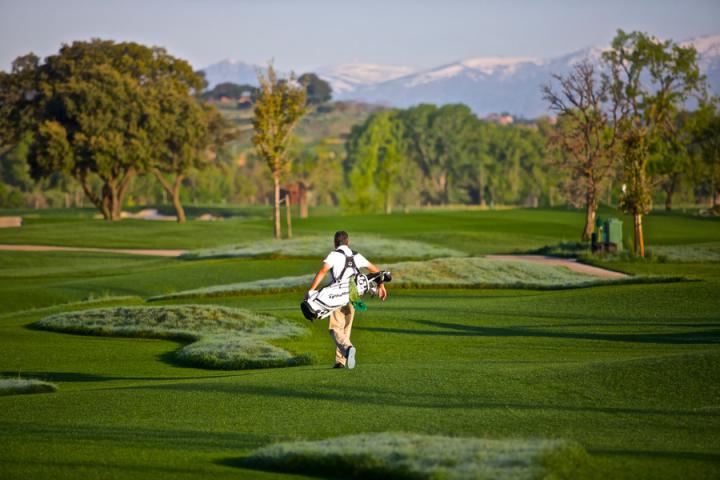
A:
{"points": [[467, 272], [686, 253], [20, 386], [412, 456], [220, 337], [319, 246], [694, 253], [483, 272]]}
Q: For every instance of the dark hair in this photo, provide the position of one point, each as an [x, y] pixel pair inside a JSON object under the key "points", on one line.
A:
{"points": [[341, 238]]}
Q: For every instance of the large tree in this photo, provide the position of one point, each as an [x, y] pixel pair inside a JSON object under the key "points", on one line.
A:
{"points": [[279, 107], [187, 134], [586, 134], [90, 110], [438, 140], [650, 80]]}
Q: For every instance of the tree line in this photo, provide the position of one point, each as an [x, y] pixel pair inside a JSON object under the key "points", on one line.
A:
{"points": [[119, 122]]}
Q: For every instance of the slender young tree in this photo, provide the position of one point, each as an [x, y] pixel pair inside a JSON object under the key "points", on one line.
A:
{"points": [[279, 107], [635, 198], [587, 132], [649, 80]]}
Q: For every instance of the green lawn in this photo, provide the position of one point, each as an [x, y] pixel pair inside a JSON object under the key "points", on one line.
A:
{"points": [[630, 372], [475, 232]]}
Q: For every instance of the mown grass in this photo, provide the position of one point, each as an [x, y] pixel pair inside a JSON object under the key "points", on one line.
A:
{"points": [[412, 456], [219, 338], [472, 232], [630, 372], [44, 279], [23, 386]]}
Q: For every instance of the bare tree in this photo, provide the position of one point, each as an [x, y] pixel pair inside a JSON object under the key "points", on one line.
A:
{"points": [[586, 132]]}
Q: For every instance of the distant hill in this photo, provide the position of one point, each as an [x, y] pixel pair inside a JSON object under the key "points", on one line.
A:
{"points": [[486, 84], [231, 71]]}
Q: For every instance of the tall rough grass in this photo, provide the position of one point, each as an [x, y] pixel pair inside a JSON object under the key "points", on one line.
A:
{"points": [[219, 337], [319, 246], [20, 386], [454, 272], [693, 253], [412, 456]]}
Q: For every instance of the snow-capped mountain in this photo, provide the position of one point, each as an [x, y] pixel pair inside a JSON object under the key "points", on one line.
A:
{"points": [[486, 84], [501, 84], [349, 77]]}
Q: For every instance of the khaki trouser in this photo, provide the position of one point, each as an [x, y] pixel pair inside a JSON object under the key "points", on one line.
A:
{"points": [[340, 325]]}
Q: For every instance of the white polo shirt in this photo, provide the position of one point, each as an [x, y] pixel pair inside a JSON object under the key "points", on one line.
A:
{"points": [[337, 261]]}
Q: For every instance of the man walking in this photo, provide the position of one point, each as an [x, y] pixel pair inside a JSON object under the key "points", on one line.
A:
{"points": [[342, 263]]}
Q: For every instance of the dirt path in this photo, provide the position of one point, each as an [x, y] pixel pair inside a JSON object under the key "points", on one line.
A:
{"points": [[570, 263], [129, 251]]}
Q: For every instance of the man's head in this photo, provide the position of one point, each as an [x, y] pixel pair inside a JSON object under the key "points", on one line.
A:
{"points": [[341, 238]]}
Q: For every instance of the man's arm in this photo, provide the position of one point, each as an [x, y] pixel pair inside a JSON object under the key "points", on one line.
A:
{"points": [[320, 275], [382, 293]]}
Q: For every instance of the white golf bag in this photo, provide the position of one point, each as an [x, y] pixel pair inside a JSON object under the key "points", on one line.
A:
{"points": [[336, 295]]}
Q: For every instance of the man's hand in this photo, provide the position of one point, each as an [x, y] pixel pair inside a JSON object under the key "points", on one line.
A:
{"points": [[310, 293], [382, 293]]}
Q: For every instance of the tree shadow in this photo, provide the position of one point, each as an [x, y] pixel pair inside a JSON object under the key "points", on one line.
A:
{"points": [[698, 456], [241, 462], [704, 337], [375, 396], [70, 377], [137, 436]]}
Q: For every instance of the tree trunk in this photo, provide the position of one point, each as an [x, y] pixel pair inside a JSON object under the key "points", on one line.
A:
{"points": [[288, 220], [638, 240], [179, 210], [100, 203], [174, 191], [116, 204], [388, 206], [276, 181], [303, 200], [440, 189], [481, 187], [590, 209], [670, 191]]}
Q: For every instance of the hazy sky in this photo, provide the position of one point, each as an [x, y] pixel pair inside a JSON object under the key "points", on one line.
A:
{"points": [[303, 34]]}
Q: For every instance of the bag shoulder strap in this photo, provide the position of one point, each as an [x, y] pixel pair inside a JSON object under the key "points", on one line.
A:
{"points": [[349, 263]]}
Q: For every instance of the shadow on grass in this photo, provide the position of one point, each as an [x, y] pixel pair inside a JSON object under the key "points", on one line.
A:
{"points": [[138, 437], [376, 396], [698, 456], [458, 330], [87, 377]]}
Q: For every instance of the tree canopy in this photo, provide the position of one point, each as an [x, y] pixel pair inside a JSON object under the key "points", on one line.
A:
{"points": [[95, 111]]}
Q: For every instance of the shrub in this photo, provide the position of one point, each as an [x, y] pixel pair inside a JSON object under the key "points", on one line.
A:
{"points": [[413, 456], [20, 386]]}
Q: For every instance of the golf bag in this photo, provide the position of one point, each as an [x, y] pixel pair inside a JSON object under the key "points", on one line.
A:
{"points": [[336, 295]]}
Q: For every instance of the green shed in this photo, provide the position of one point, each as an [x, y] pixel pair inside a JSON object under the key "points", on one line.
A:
{"points": [[612, 233]]}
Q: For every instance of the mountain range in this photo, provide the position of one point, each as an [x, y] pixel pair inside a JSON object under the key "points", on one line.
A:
{"points": [[486, 84]]}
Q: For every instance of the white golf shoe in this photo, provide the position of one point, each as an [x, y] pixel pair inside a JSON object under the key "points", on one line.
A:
{"points": [[350, 357]]}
